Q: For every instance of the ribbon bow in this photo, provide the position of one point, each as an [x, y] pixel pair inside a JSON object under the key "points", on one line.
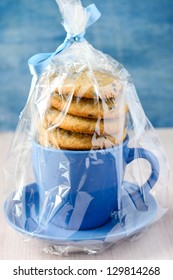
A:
{"points": [[40, 61]]}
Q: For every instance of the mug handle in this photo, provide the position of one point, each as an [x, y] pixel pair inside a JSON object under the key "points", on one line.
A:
{"points": [[135, 153]]}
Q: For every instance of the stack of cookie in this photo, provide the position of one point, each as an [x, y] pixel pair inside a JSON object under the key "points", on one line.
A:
{"points": [[87, 112]]}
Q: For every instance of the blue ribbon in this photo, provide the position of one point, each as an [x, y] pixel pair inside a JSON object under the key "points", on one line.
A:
{"points": [[40, 61]]}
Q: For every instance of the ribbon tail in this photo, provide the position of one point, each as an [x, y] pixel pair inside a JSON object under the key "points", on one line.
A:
{"points": [[93, 13], [40, 61]]}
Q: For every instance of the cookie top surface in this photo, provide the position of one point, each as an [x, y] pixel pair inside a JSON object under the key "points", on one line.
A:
{"points": [[91, 84]]}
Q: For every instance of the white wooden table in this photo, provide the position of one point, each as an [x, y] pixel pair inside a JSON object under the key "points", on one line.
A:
{"points": [[155, 243]]}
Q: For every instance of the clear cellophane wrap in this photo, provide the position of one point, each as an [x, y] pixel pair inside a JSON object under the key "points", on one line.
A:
{"points": [[86, 168]]}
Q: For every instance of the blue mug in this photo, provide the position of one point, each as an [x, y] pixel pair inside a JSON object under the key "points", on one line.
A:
{"points": [[82, 189]]}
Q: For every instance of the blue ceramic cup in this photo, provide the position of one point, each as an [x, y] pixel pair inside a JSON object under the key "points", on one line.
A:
{"points": [[82, 189]]}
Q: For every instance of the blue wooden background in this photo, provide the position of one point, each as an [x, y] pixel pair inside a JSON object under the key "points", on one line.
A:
{"points": [[138, 33]]}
